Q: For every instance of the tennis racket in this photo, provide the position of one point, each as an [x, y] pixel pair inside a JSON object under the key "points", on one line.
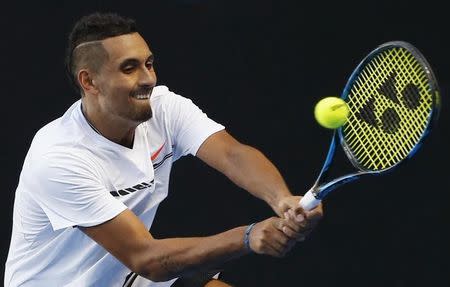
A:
{"points": [[394, 99]]}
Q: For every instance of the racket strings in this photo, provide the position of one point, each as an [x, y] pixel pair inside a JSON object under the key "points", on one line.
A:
{"points": [[410, 123], [390, 106], [371, 76], [396, 148], [390, 119]]}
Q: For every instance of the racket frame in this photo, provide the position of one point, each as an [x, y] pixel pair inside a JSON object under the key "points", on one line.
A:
{"points": [[319, 190]]}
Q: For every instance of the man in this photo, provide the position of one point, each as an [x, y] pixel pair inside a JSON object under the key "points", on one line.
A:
{"points": [[93, 179]]}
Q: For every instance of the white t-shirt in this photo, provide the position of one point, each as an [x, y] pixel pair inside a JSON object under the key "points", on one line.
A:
{"points": [[72, 176]]}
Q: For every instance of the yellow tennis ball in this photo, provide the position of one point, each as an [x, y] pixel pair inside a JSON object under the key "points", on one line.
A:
{"points": [[331, 112]]}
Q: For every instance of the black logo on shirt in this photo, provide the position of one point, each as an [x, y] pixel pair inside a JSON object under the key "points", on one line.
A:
{"points": [[126, 191]]}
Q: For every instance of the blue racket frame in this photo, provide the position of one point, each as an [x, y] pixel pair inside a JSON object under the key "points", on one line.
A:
{"points": [[320, 190]]}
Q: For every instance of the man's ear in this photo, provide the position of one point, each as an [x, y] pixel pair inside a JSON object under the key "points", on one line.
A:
{"points": [[87, 82]]}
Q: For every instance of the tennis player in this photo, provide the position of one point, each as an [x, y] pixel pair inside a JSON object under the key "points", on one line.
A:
{"points": [[92, 179]]}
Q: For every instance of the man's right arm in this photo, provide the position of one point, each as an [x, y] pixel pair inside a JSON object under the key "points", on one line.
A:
{"points": [[127, 238]]}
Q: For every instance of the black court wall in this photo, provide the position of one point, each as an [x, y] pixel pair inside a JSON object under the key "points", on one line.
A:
{"points": [[258, 67]]}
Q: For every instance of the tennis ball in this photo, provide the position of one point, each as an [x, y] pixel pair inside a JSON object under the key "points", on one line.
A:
{"points": [[331, 112]]}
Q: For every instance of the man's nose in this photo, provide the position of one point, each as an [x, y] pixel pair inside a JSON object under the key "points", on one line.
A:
{"points": [[147, 77]]}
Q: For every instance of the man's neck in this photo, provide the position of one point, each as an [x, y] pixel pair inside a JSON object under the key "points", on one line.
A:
{"points": [[112, 128]]}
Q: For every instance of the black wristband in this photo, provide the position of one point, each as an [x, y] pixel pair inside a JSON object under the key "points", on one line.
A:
{"points": [[247, 237]]}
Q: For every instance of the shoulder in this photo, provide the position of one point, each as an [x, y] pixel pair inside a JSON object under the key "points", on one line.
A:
{"points": [[55, 148], [168, 106], [165, 99], [162, 96], [62, 133]]}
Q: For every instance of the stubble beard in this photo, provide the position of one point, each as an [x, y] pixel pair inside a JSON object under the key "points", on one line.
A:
{"points": [[141, 114]]}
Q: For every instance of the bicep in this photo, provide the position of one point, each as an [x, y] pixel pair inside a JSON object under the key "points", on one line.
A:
{"points": [[124, 236], [218, 149]]}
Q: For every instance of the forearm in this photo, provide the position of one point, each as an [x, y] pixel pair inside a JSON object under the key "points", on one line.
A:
{"points": [[252, 171], [174, 257], [245, 166]]}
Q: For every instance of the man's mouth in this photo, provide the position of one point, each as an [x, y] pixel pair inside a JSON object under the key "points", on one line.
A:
{"points": [[144, 95]]}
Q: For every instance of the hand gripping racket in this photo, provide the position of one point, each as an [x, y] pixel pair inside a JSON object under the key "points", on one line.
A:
{"points": [[393, 98]]}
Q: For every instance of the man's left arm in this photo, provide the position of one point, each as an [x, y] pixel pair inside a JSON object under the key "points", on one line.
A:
{"points": [[248, 168]]}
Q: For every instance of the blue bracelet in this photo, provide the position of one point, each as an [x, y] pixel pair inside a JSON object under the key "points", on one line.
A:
{"points": [[247, 237]]}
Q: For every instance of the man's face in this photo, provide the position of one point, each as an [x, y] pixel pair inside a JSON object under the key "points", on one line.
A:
{"points": [[126, 79]]}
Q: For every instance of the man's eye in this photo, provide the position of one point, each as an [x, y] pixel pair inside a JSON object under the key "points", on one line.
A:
{"points": [[128, 69], [149, 65]]}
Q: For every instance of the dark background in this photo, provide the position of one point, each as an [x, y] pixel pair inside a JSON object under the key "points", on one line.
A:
{"points": [[259, 67]]}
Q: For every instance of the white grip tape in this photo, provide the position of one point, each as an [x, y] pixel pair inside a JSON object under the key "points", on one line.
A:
{"points": [[309, 201]]}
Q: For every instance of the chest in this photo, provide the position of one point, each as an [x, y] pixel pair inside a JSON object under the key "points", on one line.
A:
{"points": [[132, 174]]}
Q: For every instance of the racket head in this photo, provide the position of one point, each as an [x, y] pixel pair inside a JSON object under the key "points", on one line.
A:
{"points": [[394, 100]]}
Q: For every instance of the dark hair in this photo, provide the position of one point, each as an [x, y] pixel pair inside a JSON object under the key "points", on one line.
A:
{"points": [[93, 27]]}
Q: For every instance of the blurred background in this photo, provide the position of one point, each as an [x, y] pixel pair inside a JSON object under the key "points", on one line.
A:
{"points": [[258, 67]]}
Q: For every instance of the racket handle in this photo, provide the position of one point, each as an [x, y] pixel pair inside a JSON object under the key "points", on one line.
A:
{"points": [[309, 201]]}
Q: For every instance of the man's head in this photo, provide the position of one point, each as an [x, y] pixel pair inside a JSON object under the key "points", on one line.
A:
{"points": [[109, 61], [84, 48]]}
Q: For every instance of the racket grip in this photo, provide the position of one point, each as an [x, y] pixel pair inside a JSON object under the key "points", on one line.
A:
{"points": [[309, 201]]}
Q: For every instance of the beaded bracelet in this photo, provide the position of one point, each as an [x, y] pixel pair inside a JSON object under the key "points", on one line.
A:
{"points": [[247, 237]]}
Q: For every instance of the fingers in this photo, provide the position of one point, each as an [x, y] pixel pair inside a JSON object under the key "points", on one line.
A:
{"points": [[276, 243], [267, 238], [277, 236], [298, 210], [288, 202], [315, 214], [298, 223], [296, 219], [313, 217], [294, 225]]}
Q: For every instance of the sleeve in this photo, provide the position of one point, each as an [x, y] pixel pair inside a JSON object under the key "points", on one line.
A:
{"points": [[188, 124], [70, 191]]}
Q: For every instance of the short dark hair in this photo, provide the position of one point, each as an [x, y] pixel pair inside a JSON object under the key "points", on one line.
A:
{"points": [[91, 28]]}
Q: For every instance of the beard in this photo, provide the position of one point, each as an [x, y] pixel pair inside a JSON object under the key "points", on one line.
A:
{"points": [[140, 113], [142, 110]]}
